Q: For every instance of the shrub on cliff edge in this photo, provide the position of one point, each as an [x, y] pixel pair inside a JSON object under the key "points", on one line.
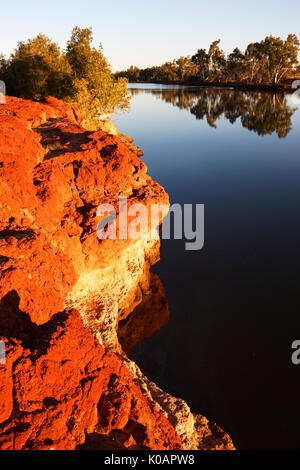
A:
{"points": [[95, 88]]}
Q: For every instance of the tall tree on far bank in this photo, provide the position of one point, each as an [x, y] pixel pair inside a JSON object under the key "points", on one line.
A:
{"points": [[281, 56], [273, 58], [211, 64], [201, 60], [216, 59], [236, 65], [186, 68]]}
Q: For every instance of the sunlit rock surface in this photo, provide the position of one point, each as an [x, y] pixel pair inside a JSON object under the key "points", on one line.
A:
{"points": [[60, 386], [67, 382]]}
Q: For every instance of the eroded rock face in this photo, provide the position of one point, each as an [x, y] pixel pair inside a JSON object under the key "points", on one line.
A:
{"points": [[60, 386], [67, 382], [106, 296], [52, 179]]}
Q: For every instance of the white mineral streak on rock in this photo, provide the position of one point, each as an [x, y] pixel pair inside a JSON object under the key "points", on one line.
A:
{"points": [[104, 295]]}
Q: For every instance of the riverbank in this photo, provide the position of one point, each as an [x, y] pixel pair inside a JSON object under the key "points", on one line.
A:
{"points": [[274, 88]]}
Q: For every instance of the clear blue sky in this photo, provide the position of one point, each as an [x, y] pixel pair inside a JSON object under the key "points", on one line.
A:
{"points": [[136, 32]]}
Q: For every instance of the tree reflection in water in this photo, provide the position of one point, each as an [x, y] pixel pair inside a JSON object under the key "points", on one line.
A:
{"points": [[261, 112]]}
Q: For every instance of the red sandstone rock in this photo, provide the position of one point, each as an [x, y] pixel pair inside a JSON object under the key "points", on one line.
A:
{"points": [[59, 386]]}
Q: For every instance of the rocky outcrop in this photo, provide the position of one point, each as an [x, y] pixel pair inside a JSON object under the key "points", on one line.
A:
{"points": [[67, 382], [196, 432], [60, 387]]}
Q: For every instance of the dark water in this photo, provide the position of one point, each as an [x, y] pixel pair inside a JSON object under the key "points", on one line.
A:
{"points": [[235, 305]]}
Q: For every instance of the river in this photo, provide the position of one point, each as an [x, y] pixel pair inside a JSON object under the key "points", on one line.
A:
{"points": [[235, 304]]}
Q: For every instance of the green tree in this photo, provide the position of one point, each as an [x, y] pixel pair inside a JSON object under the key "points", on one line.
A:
{"points": [[186, 68], [273, 58], [96, 90], [201, 60], [236, 64], [216, 59], [280, 56], [37, 68], [133, 74], [169, 71]]}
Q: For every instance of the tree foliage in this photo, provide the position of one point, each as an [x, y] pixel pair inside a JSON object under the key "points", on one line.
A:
{"points": [[80, 75], [37, 68], [95, 88]]}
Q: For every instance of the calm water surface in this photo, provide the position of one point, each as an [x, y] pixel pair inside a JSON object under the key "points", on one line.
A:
{"points": [[235, 305]]}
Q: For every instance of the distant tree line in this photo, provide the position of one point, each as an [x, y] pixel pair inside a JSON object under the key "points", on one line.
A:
{"points": [[80, 74], [269, 61]]}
